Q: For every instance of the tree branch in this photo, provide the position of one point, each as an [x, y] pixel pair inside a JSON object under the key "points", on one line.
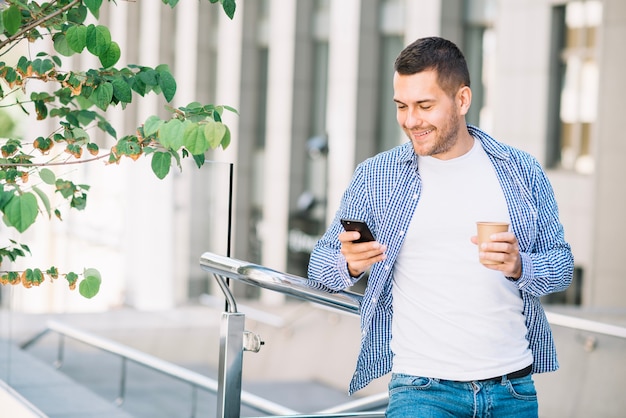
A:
{"points": [[55, 164], [37, 23]]}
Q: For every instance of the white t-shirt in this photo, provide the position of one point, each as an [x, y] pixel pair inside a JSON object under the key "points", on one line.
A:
{"points": [[454, 318]]}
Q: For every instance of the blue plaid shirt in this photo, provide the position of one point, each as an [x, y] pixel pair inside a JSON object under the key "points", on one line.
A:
{"points": [[384, 192]]}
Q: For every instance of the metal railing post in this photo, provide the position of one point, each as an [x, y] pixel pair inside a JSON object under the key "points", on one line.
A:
{"points": [[60, 351], [122, 394], [230, 365]]}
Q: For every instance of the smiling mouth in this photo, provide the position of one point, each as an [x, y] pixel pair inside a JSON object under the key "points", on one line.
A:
{"points": [[421, 134]]}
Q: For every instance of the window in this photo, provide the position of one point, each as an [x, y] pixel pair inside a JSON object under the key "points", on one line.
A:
{"points": [[388, 132], [574, 82]]}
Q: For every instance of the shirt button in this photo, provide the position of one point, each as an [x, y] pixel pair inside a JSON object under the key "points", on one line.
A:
{"points": [[387, 267], [401, 233], [415, 196], [374, 300]]}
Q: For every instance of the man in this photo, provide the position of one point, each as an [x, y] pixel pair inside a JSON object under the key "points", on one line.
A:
{"points": [[467, 335]]}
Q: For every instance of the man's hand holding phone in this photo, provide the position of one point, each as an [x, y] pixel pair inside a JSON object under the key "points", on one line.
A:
{"points": [[359, 247]]}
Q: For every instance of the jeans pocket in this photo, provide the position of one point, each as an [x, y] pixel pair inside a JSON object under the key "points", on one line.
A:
{"points": [[401, 382], [523, 388]]}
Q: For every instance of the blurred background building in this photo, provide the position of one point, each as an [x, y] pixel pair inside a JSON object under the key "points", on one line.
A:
{"points": [[311, 80]]}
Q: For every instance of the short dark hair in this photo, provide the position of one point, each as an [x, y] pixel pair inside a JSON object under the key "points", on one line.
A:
{"points": [[437, 54]]}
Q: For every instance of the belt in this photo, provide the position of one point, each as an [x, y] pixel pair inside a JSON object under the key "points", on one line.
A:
{"points": [[515, 375]]}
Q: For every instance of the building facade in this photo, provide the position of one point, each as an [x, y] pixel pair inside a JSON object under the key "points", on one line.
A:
{"points": [[311, 80]]}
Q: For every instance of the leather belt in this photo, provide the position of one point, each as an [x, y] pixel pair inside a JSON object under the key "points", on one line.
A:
{"points": [[515, 375]]}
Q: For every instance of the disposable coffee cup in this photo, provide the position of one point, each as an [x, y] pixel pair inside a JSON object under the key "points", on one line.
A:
{"points": [[485, 230]]}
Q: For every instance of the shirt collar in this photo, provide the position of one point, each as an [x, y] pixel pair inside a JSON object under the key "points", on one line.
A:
{"points": [[490, 145]]}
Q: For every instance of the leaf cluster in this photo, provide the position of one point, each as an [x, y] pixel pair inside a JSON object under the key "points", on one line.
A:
{"points": [[78, 100]]}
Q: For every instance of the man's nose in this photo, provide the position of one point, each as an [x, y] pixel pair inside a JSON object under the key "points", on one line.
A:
{"points": [[413, 118]]}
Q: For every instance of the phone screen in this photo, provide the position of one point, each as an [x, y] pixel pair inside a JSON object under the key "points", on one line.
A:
{"points": [[361, 227]]}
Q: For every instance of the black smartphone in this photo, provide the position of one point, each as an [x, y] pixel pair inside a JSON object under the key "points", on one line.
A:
{"points": [[359, 226]]}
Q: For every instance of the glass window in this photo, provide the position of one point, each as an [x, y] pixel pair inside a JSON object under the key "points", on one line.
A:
{"points": [[388, 133], [575, 72]]}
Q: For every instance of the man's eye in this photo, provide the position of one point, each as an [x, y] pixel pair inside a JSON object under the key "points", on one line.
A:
{"points": [[426, 107]]}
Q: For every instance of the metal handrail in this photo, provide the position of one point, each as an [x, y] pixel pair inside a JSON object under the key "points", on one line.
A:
{"points": [[301, 288], [285, 283], [196, 380], [582, 324]]}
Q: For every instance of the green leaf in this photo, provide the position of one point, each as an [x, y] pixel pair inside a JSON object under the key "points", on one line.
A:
{"points": [[44, 199], [42, 66], [77, 14], [65, 187], [5, 197], [12, 19], [102, 95], [214, 133], [90, 285], [79, 202], [61, 46], [85, 117], [80, 134], [33, 276], [176, 158], [21, 211], [139, 86], [83, 102], [41, 109], [199, 160], [161, 162], [47, 176], [171, 134], [148, 76], [94, 7], [71, 277], [226, 139], [194, 139], [76, 37], [121, 90], [152, 125], [232, 109], [229, 7], [107, 127], [98, 39], [129, 145], [93, 148], [167, 84], [111, 56]]}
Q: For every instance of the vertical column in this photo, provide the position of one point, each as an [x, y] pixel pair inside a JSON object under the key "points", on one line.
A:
{"points": [[341, 116], [427, 13], [278, 137], [607, 273], [149, 246], [184, 70], [228, 92]]}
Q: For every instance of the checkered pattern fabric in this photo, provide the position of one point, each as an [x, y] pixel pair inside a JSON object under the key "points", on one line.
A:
{"points": [[384, 192]]}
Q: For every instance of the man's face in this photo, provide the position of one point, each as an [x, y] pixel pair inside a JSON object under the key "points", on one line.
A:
{"points": [[428, 115]]}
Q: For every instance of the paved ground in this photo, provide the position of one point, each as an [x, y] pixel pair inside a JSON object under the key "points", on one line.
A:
{"points": [[305, 364], [88, 382]]}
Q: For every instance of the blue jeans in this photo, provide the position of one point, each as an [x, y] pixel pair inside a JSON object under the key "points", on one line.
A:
{"points": [[423, 397]]}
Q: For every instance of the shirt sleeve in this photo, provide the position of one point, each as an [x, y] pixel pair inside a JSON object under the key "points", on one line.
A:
{"points": [[548, 264], [327, 266]]}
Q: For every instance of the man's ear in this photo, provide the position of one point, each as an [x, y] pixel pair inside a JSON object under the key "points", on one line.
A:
{"points": [[464, 99]]}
